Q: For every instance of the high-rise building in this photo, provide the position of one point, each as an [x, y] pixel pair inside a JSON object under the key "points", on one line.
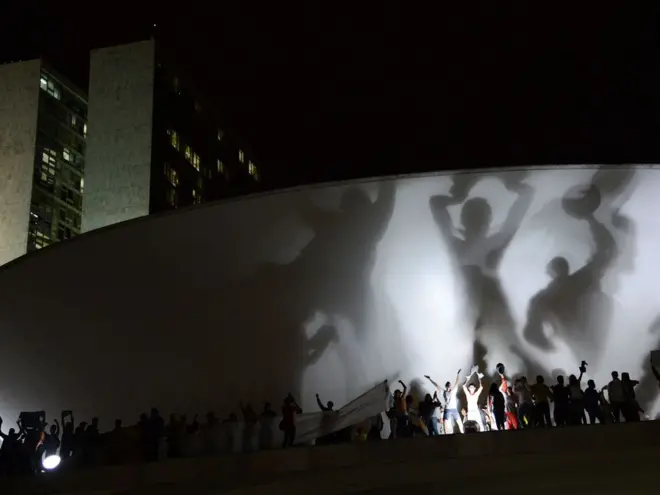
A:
{"points": [[43, 123], [152, 144]]}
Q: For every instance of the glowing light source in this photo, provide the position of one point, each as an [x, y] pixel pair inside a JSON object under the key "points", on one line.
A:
{"points": [[51, 462]]}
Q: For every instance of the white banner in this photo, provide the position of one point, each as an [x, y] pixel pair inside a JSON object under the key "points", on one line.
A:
{"points": [[315, 425]]}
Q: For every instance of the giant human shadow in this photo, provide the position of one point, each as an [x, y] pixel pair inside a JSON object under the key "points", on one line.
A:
{"points": [[479, 256], [329, 277], [573, 307], [340, 258], [333, 272]]}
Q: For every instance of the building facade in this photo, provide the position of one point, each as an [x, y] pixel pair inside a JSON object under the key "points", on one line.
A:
{"points": [[43, 126], [152, 147]]}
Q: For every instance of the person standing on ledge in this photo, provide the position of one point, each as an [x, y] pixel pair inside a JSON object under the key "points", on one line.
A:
{"points": [[472, 394], [288, 424], [450, 414]]}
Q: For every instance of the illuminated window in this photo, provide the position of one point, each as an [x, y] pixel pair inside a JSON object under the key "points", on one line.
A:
{"points": [[66, 154], [174, 139], [171, 175], [241, 156], [252, 170], [188, 154], [85, 130], [221, 134], [221, 167], [195, 161], [82, 184], [73, 120], [49, 87], [48, 166]]}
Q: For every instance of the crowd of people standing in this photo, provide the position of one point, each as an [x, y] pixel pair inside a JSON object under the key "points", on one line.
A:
{"points": [[512, 405], [507, 405]]}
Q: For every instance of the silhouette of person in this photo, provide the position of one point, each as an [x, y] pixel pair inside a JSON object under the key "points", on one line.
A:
{"points": [[617, 396], [9, 452], [68, 443], [573, 305], [288, 424], [497, 406], [562, 402], [592, 403], [52, 440], [479, 256], [542, 396]]}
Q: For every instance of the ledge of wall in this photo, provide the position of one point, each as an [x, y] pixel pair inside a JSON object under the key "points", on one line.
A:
{"points": [[614, 457]]}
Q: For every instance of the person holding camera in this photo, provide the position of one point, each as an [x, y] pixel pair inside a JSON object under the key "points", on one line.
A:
{"points": [[577, 413]]}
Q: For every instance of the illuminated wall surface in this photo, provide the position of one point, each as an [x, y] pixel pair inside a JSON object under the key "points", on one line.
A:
{"points": [[332, 289]]}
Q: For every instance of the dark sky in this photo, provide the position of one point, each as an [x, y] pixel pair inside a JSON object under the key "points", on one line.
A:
{"points": [[330, 90]]}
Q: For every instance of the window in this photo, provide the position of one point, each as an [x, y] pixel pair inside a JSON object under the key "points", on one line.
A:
{"points": [[174, 139], [66, 154], [221, 134], [195, 161], [73, 120], [82, 185], [252, 170], [171, 175], [85, 130], [221, 167], [188, 154], [241, 156], [49, 87], [48, 166], [197, 197]]}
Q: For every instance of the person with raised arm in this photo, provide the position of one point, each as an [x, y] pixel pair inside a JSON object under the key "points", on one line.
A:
{"points": [[450, 399], [577, 413], [290, 409], [400, 411], [324, 408], [472, 394]]}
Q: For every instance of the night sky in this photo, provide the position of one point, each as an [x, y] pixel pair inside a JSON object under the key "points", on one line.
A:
{"points": [[332, 90]]}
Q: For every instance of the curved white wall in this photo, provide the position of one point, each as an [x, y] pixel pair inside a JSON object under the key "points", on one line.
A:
{"points": [[331, 289]]}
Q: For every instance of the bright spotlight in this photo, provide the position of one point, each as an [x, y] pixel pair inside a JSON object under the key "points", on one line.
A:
{"points": [[51, 462]]}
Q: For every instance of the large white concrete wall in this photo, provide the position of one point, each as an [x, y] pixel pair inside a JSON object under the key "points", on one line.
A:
{"points": [[331, 289], [19, 105], [118, 160]]}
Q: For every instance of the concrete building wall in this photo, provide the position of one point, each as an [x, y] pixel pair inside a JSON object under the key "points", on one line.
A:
{"points": [[19, 102], [548, 461], [277, 281], [117, 168]]}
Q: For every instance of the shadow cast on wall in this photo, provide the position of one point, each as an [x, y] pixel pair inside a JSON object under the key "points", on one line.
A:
{"points": [[330, 277], [573, 307], [478, 254]]}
